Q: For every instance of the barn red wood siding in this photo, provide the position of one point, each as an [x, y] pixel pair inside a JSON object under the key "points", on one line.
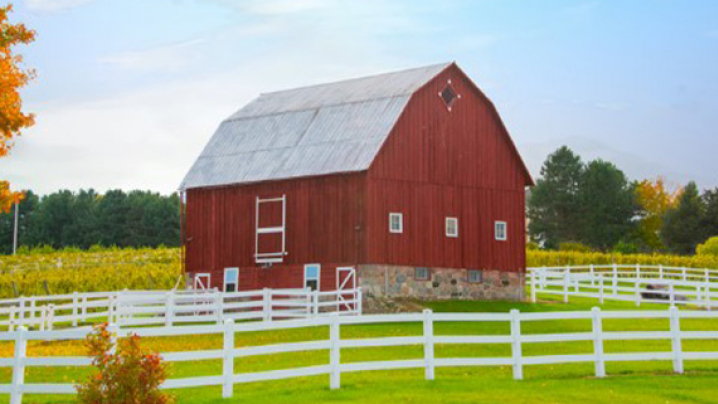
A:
{"points": [[325, 224], [438, 163]]}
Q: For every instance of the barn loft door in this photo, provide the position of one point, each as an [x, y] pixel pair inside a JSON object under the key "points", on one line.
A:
{"points": [[271, 229]]}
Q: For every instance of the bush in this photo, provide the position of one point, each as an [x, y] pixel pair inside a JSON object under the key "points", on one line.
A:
{"points": [[623, 247], [710, 247], [574, 247], [531, 246], [129, 376]]}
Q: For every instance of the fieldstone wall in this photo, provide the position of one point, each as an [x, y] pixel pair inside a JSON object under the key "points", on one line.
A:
{"points": [[389, 281]]}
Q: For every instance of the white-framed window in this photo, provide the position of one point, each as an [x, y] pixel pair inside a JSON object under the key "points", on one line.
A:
{"points": [[396, 223], [476, 276], [421, 273], [500, 231], [312, 275], [452, 227], [231, 279]]}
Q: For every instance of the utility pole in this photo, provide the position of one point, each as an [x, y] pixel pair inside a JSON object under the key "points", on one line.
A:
{"points": [[14, 240]]}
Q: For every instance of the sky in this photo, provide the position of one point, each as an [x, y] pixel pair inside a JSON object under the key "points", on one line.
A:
{"points": [[129, 91]]}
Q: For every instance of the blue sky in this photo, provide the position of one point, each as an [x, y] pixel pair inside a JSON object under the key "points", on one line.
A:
{"points": [[128, 92]]}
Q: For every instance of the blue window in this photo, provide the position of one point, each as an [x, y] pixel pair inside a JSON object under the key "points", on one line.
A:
{"points": [[312, 275]]}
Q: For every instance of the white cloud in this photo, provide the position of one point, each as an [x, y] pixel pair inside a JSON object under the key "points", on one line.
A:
{"points": [[275, 7], [54, 5], [165, 58]]}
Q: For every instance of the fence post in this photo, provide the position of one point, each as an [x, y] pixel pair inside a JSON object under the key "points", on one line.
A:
{"points": [[18, 369], [533, 286], [638, 293], [600, 288], [169, 309], [684, 273], [359, 303], [615, 280], [11, 320], [84, 309], [638, 271], [50, 316], [228, 359], [315, 302], [219, 305], [33, 306], [672, 294], [334, 352], [516, 344], [267, 304], [598, 342], [21, 312], [75, 311], [114, 330], [428, 345], [565, 284], [660, 272], [43, 317], [676, 340]]}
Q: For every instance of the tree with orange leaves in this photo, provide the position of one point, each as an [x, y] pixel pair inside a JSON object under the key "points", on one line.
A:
{"points": [[655, 200], [12, 78]]}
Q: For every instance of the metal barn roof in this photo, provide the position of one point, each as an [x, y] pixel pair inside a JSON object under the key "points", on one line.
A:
{"points": [[323, 129]]}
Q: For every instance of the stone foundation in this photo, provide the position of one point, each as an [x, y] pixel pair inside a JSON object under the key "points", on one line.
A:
{"points": [[389, 281]]}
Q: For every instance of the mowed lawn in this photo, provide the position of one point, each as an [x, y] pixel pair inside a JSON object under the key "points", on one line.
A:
{"points": [[632, 382]]}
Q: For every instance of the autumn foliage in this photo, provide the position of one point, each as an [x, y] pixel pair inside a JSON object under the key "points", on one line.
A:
{"points": [[12, 78], [129, 376]]}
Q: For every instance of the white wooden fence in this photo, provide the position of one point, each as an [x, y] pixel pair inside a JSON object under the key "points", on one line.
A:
{"points": [[335, 368], [132, 308], [632, 283]]}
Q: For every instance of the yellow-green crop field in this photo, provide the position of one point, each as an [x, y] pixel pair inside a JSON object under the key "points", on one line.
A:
{"points": [[66, 272]]}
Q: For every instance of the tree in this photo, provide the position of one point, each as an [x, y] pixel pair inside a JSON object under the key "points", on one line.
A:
{"points": [[130, 376], [710, 220], [12, 79], [607, 205], [682, 225], [710, 247], [654, 201], [553, 203]]}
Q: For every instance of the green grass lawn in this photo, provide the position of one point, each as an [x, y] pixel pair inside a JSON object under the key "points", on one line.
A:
{"points": [[637, 382]]}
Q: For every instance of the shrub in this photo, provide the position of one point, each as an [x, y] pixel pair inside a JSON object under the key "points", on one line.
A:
{"points": [[575, 247], [129, 376], [710, 247], [531, 246], [625, 247]]}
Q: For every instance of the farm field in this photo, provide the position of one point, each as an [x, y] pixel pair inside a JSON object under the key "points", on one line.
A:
{"points": [[115, 269], [637, 382]]}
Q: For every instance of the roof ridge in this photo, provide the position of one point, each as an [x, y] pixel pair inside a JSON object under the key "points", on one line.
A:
{"points": [[445, 64]]}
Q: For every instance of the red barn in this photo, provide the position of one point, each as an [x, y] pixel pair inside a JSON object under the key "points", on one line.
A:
{"points": [[408, 180]]}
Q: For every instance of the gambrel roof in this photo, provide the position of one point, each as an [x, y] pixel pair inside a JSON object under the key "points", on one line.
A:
{"points": [[324, 129]]}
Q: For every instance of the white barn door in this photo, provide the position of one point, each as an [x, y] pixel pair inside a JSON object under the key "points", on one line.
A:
{"points": [[346, 289]]}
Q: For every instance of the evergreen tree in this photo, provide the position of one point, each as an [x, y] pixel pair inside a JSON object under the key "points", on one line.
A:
{"points": [[608, 206], [710, 220], [553, 206], [682, 227]]}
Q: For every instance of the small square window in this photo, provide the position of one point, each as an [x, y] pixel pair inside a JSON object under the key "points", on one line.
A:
{"points": [[421, 274], [476, 276], [452, 227], [396, 223], [500, 231]]}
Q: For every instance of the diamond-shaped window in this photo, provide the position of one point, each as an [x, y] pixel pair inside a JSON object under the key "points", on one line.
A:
{"points": [[448, 95]]}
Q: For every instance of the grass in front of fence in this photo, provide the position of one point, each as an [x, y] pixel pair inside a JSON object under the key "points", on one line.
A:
{"points": [[639, 381]]}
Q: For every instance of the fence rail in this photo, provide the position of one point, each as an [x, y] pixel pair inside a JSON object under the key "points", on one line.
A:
{"points": [[517, 360], [168, 308], [632, 283]]}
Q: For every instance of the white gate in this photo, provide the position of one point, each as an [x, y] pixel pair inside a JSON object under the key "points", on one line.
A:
{"points": [[346, 281], [201, 281]]}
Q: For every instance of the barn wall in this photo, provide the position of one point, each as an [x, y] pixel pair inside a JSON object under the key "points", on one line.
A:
{"points": [[325, 224], [439, 163]]}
